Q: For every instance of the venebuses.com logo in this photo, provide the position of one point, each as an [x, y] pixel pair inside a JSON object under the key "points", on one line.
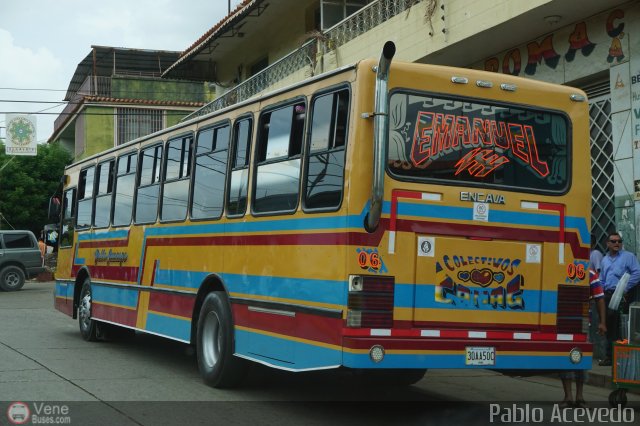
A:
{"points": [[20, 413]]}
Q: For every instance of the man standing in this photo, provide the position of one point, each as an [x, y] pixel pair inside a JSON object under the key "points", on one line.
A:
{"points": [[616, 262]]}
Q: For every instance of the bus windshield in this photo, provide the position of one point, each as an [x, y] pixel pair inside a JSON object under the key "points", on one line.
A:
{"points": [[472, 142]]}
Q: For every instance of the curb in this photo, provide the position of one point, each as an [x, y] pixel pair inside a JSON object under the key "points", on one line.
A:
{"points": [[605, 381]]}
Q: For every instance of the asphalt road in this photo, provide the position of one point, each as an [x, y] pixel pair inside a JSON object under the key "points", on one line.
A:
{"points": [[147, 380]]}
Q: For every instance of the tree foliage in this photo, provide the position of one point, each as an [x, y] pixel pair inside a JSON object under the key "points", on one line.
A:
{"points": [[27, 183]]}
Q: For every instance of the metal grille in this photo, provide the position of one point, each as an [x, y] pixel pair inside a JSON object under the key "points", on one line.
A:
{"points": [[296, 60], [365, 20], [136, 122], [603, 216]]}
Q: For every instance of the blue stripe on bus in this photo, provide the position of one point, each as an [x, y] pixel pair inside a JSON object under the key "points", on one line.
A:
{"points": [[78, 260], [547, 300], [115, 296], [352, 221], [495, 216], [305, 289], [175, 328], [64, 289], [103, 235], [179, 278], [309, 290], [293, 354], [519, 362]]}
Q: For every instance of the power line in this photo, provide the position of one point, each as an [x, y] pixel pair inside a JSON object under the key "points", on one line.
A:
{"points": [[142, 112], [37, 102], [32, 89]]}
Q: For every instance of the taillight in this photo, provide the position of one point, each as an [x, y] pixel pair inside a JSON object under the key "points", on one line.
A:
{"points": [[370, 302], [573, 309]]}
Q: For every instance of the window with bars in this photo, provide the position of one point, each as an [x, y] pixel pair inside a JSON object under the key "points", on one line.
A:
{"points": [[137, 122], [334, 11], [603, 214]]}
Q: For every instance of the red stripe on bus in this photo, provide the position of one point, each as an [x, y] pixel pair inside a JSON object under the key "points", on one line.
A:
{"points": [[114, 314], [331, 239], [412, 344], [106, 243], [460, 230], [466, 326], [301, 326], [373, 239], [270, 322], [63, 305], [395, 195], [173, 304], [119, 273]]}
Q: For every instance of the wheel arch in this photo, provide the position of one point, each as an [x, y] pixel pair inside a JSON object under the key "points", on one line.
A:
{"points": [[14, 263], [213, 282], [82, 275]]}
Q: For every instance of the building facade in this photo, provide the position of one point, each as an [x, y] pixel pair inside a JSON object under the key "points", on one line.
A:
{"points": [[117, 95]]}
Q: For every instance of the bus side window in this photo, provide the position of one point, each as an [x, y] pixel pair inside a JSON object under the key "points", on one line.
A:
{"points": [[68, 217], [325, 168], [148, 185], [104, 187], [177, 170], [210, 172], [85, 197], [278, 163], [239, 178], [125, 184]]}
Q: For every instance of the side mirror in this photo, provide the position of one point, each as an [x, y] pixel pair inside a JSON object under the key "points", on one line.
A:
{"points": [[54, 208]]}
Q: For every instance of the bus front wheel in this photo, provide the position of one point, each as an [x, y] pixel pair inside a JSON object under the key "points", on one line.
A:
{"points": [[218, 366], [88, 327]]}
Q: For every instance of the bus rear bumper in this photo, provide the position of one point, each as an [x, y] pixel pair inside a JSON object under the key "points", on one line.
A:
{"points": [[358, 352]]}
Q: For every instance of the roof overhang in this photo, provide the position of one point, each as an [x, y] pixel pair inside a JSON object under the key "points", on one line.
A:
{"points": [[108, 61]]}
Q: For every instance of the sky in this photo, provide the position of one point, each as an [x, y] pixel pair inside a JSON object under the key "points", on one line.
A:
{"points": [[42, 42]]}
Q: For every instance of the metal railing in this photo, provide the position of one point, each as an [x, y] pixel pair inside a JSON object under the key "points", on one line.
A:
{"points": [[91, 86], [364, 20]]}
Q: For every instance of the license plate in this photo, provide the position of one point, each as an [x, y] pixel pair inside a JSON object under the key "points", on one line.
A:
{"points": [[480, 355]]}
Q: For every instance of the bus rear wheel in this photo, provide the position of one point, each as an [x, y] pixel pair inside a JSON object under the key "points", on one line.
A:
{"points": [[218, 366], [88, 327]]}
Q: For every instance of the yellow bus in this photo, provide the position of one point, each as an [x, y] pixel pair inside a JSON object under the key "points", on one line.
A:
{"points": [[385, 217]]}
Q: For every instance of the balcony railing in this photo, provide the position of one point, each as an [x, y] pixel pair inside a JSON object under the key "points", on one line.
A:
{"points": [[364, 20], [92, 86]]}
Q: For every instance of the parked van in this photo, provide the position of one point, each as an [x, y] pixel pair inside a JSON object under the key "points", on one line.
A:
{"points": [[20, 258]]}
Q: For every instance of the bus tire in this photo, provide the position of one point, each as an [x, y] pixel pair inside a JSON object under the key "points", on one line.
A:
{"points": [[11, 278], [217, 364], [88, 327]]}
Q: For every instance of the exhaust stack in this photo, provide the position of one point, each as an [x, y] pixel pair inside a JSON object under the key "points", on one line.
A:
{"points": [[381, 134]]}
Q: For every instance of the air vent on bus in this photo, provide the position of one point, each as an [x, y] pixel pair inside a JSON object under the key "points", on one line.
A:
{"points": [[370, 302], [573, 309]]}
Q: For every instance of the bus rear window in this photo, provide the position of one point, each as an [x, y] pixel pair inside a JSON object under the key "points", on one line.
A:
{"points": [[470, 142]]}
